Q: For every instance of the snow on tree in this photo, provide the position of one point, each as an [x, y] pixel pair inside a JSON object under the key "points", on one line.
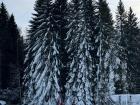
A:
{"points": [[132, 33], [32, 45], [43, 84], [105, 35], [32, 37], [60, 12], [92, 21], [74, 53], [79, 85], [121, 70]]}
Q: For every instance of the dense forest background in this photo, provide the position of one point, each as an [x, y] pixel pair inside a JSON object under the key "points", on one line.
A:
{"points": [[74, 53], [11, 57]]}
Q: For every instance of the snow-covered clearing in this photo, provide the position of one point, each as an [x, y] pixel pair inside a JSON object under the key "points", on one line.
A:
{"points": [[126, 99]]}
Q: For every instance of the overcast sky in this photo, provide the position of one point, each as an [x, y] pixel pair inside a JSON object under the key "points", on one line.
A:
{"points": [[22, 9]]}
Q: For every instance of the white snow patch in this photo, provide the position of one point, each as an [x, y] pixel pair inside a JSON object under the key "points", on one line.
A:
{"points": [[2, 102], [127, 99]]}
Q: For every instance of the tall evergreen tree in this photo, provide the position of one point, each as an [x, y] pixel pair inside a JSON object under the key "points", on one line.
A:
{"points": [[32, 40], [105, 34], [3, 35], [34, 23], [9, 55], [92, 21], [132, 33], [60, 12], [13, 37], [44, 85], [135, 77], [121, 70], [38, 10], [15, 53], [79, 85]]}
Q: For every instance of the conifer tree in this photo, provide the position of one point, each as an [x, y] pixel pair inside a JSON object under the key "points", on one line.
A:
{"points": [[92, 21], [132, 33], [105, 35], [3, 35], [34, 23], [135, 75], [13, 43], [10, 67], [60, 12], [38, 10], [44, 85], [121, 70], [79, 85], [32, 40]]}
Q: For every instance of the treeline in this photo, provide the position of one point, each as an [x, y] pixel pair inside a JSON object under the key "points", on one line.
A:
{"points": [[78, 55], [11, 57]]}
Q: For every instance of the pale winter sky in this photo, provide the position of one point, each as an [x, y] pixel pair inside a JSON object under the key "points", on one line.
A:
{"points": [[22, 9]]}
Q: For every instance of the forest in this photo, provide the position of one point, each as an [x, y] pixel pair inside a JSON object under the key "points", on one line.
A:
{"points": [[74, 53]]}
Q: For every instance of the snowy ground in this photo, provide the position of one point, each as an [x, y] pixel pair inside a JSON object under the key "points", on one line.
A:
{"points": [[2, 102], [126, 99]]}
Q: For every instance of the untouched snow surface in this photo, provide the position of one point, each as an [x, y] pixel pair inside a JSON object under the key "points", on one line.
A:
{"points": [[2, 102], [126, 99]]}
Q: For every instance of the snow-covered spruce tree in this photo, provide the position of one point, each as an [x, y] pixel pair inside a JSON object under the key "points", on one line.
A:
{"points": [[105, 34], [121, 70], [79, 85], [43, 85], [32, 42], [32, 37], [34, 23], [132, 33], [60, 12], [92, 22], [71, 46]]}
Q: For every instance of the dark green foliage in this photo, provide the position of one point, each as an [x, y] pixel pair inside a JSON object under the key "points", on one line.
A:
{"points": [[32, 36], [10, 96], [46, 57], [11, 54], [92, 20], [3, 35], [60, 12], [132, 47], [121, 22], [79, 36], [38, 11], [105, 34], [128, 33]]}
